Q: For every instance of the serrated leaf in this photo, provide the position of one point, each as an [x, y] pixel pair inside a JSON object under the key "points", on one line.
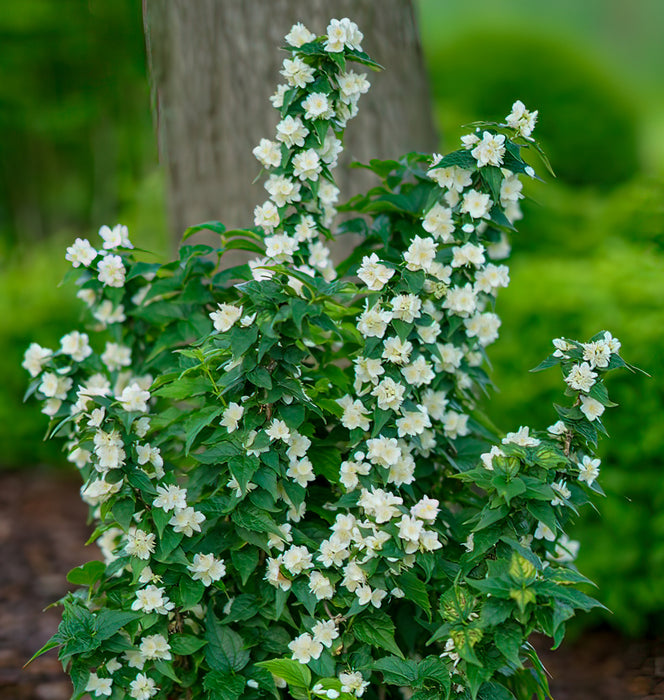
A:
{"points": [[378, 631], [225, 650], [293, 672], [396, 671]]}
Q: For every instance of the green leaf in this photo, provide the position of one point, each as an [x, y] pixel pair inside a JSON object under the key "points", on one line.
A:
{"points": [[223, 686], [87, 574], [214, 226], [508, 639], [461, 158], [377, 630], [251, 518], [185, 644], [195, 422], [260, 377], [397, 671], [415, 590], [433, 668], [225, 651], [293, 672], [123, 512], [494, 691], [244, 607], [245, 561], [108, 622]]}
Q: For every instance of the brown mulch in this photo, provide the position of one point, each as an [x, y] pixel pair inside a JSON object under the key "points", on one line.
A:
{"points": [[42, 534]]}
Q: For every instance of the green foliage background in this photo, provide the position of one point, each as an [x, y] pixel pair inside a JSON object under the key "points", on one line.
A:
{"points": [[78, 151]]}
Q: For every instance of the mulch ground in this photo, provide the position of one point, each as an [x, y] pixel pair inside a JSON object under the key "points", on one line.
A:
{"points": [[42, 536]]}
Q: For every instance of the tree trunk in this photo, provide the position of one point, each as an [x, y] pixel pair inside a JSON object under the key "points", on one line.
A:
{"points": [[214, 63]]}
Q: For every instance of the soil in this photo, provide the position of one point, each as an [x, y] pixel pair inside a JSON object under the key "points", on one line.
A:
{"points": [[42, 534]]}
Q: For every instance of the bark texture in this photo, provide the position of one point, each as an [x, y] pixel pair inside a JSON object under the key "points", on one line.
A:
{"points": [[214, 63]]}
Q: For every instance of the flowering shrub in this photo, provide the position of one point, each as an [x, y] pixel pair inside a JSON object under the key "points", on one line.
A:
{"points": [[292, 480]]}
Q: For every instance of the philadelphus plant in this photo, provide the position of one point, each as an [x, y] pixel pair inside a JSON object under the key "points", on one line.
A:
{"points": [[295, 491]]}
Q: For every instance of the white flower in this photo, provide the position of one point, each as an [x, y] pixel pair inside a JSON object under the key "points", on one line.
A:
{"points": [[152, 599], [484, 327], [76, 345], [476, 204], [111, 271], [581, 377], [156, 646], [35, 358], [355, 413], [469, 140], [406, 307], [325, 632], [143, 687], [81, 253], [301, 471], [468, 254], [317, 106], [372, 322], [487, 457], [425, 509], [225, 316], [54, 386], [353, 683], [613, 343], [352, 85], [278, 430], [304, 648], [187, 521], [490, 150], [306, 165], [562, 493], [99, 686], [383, 450], [566, 550], [591, 408], [374, 274], [336, 36], [283, 190], [455, 425], [561, 346], [413, 422], [231, 416], [107, 314], [297, 72], [521, 119], [469, 544], [397, 351], [116, 356], [419, 372], [207, 568], [268, 153], [461, 301], [598, 353], [510, 189], [116, 237], [170, 497], [544, 532], [521, 437], [491, 277], [266, 216], [292, 131], [420, 254], [299, 35], [439, 222], [140, 544], [390, 394], [588, 469], [320, 586], [558, 428], [98, 491], [133, 398]]}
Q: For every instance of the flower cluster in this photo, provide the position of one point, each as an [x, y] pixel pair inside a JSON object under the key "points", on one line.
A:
{"points": [[282, 468]]}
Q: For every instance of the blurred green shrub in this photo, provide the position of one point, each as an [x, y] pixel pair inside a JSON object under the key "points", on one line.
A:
{"points": [[587, 124], [74, 113], [603, 274]]}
